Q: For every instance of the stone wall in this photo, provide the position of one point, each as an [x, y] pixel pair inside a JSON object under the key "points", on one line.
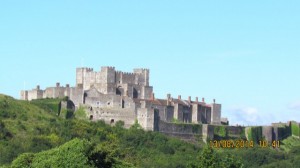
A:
{"points": [[205, 115], [169, 115], [35, 94], [142, 76], [189, 132], [195, 114], [207, 132], [145, 118], [267, 133], [24, 95], [146, 92], [112, 115], [161, 110], [204, 132], [76, 95], [235, 131]]}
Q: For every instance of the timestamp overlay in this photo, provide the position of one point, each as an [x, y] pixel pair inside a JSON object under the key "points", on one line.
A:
{"points": [[242, 144]]}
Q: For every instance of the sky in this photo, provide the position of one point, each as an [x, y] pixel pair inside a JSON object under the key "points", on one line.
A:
{"points": [[246, 55]]}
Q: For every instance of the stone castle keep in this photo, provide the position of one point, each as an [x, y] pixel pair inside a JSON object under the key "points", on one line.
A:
{"points": [[112, 96]]}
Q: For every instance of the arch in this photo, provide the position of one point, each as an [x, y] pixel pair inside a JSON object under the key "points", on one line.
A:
{"points": [[135, 94], [118, 92]]}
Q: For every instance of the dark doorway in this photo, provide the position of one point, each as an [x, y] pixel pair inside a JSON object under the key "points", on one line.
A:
{"points": [[91, 117], [112, 121], [135, 93], [118, 92], [156, 120], [84, 97]]}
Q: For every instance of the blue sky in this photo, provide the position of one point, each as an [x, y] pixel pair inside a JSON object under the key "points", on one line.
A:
{"points": [[246, 55]]}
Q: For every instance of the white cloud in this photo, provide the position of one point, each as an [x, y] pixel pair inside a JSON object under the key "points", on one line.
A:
{"points": [[246, 116], [294, 105], [251, 116]]}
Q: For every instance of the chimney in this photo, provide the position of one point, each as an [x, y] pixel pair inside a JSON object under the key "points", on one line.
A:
{"points": [[38, 87], [57, 84], [189, 98], [179, 97], [214, 100], [67, 85], [203, 100], [153, 97], [197, 99], [168, 96]]}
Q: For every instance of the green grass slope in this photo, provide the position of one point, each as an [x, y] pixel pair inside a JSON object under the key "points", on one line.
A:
{"points": [[30, 128], [23, 125], [32, 135]]}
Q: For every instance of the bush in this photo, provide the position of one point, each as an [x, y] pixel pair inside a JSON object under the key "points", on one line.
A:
{"points": [[295, 129], [255, 134], [220, 132]]}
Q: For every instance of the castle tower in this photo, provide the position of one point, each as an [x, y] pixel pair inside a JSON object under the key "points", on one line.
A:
{"points": [[142, 76], [24, 95], [142, 79], [84, 78], [108, 80], [215, 113]]}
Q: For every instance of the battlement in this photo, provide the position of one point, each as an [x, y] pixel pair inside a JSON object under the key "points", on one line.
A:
{"points": [[141, 70], [124, 73], [127, 73], [104, 68], [86, 69]]}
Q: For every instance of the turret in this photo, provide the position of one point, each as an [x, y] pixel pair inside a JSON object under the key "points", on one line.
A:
{"points": [[142, 76], [81, 75]]}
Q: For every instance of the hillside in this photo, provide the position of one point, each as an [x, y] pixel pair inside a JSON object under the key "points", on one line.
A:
{"points": [[27, 127], [33, 131]]}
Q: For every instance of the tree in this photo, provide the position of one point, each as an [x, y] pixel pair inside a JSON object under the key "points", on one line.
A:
{"points": [[210, 159]]}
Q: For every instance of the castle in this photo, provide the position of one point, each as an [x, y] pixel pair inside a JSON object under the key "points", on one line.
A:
{"points": [[112, 96]]}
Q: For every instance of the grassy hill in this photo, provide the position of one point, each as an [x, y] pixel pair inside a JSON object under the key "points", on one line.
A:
{"points": [[33, 127], [32, 134]]}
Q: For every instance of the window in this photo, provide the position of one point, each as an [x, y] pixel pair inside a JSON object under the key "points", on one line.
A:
{"points": [[135, 93], [123, 103]]}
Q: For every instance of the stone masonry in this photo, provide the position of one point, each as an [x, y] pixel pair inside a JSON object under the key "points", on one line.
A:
{"points": [[113, 96]]}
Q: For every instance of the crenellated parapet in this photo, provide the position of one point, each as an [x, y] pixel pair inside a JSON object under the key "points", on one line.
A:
{"points": [[107, 68]]}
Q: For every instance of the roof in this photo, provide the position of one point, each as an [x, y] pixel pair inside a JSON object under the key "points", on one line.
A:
{"points": [[164, 102]]}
